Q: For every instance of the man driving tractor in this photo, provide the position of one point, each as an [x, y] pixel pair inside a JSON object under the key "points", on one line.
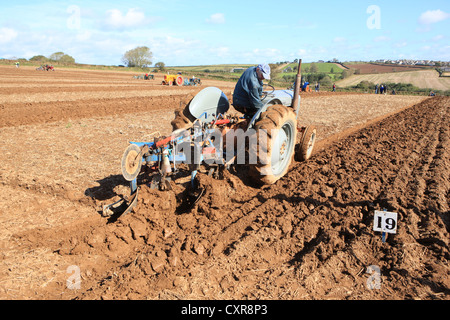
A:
{"points": [[248, 90]]}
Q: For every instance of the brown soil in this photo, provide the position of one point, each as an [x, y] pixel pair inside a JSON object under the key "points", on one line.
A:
{"points": [[309, 236]]}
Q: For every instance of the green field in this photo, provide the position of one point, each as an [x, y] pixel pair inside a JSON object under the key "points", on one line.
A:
{"points": [[326, 67], [333, 70]]}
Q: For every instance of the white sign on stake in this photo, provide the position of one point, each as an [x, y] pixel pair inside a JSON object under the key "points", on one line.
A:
{"points": [[385, 221]]}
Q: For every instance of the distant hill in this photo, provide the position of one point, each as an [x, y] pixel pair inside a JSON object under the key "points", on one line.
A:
{"points": [[374, 68], [425, 79]]}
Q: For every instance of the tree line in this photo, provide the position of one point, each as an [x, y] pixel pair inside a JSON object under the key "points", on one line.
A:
{"points": [[140, 57], [59, 57]]}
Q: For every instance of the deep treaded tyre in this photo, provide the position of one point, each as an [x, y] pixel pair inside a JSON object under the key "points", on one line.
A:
{"points": [[305, 148], [179, 81], [277, 132]]}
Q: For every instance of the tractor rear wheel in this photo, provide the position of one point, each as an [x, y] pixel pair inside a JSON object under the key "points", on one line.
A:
{"points": [[277, 132], [179, 81], [183, 117]]}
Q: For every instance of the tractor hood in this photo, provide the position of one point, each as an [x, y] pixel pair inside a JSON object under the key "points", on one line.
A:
{"points": [[283, 97]]}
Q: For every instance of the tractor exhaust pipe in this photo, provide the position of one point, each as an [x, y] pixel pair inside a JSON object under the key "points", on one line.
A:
{"points": [[298, 80]]}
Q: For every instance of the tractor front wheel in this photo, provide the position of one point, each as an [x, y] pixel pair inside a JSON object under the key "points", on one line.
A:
{"points": [[305, 148]]}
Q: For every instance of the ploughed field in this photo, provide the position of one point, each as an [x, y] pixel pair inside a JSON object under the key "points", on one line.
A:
{"points": [[309, 236]]}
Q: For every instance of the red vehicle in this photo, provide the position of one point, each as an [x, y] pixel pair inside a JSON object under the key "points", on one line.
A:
{"points": [[46, 68]]}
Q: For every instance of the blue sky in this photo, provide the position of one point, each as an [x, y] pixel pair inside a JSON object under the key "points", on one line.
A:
{"points": [[202, 32]]}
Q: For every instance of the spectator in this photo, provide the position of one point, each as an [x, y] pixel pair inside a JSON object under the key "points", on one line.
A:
{"points": [[376, 88], [334, 87]]}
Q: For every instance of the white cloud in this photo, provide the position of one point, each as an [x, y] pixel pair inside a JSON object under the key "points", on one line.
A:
{"points": [[438, 37], [173, 42], [217, 18], [381, 39], [133, 18], [400, 44], [84, 36], [339, 40], [175, 51], [264, 55], [433, 16], [306, 24], [7, 35], [221, 51]]}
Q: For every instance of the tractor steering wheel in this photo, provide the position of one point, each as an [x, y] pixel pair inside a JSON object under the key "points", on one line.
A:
{"points": [[265, 92]]}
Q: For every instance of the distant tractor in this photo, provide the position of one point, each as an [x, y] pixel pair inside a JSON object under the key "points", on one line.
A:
{"points": [[306, 87], [46, 68], [173, 79], [195, 81], [145, 76], [192, 82]]}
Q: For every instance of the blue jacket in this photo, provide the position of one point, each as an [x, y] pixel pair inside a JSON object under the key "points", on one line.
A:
{"points": [[248, 90]]}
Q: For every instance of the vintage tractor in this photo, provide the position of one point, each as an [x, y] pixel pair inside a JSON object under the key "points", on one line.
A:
{"points": [[173, 79], [204, 135], [144, 76], [195, 81], [46, 68], [306, 87], [192, 82]]}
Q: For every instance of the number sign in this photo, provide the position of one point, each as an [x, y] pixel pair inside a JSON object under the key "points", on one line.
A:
{"points": [[385, 221]]}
